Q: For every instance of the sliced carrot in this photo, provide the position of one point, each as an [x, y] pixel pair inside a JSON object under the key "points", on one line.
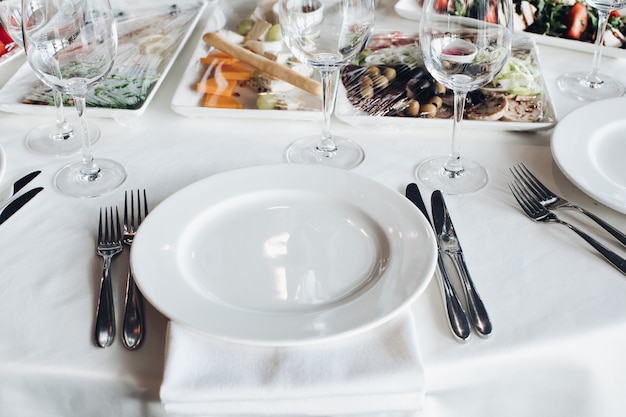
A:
{"points": [[224, 102], [220, 88], [233, 72], [218, 59]]}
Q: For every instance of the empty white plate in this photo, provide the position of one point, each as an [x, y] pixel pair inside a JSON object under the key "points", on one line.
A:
{"points": [[283, 254], [589, 146]]}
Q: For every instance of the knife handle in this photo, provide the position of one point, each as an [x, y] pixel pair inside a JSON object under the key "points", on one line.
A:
{"points": [[457, 318], [475, 306]]}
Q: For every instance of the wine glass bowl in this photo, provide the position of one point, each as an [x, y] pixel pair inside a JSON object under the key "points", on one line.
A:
{"points": [[463, 49], [71, 46], [58, 138], [326, 35], [592, 85]]}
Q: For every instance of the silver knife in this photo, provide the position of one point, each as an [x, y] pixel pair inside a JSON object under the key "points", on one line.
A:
{"points": [[18, 203], [449, 243], [17, 186], [457, 319]]}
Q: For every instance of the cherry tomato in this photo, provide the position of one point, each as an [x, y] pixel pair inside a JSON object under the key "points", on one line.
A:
{"points": [[577, 21]]}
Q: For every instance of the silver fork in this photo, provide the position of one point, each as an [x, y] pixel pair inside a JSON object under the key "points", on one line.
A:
{"points": [[133, 325], [552, 201], [109, 245], [537, 212]]}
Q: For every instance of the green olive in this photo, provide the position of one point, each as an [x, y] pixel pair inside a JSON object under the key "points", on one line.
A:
{"points": [[413, 108], [380, 81], [244, 26], [440, 89], [274, 33], [429, 111], [367, 91], [372, 71], [266, 101], [437, 101], [390, 73], [366, 80]]}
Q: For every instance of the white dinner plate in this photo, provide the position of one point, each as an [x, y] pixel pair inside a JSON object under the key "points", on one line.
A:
{"points": [[283, 254], [588, 146], [410, 9]]}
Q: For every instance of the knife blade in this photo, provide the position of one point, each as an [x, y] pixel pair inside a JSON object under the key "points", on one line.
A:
{"points": [[18, 203], [457, 318], [450, 245], [17, 186]]}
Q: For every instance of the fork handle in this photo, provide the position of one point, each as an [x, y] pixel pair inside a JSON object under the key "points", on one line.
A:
{"points": [[105, 316], [613, 231], [133, 327], [616, 260]]}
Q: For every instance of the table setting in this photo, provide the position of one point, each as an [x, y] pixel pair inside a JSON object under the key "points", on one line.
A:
{"points": [[221, 275]]}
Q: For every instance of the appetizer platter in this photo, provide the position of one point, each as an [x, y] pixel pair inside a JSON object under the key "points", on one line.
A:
{"points": [[150, 37], [389, 87], [242, 68], [567, 24]]}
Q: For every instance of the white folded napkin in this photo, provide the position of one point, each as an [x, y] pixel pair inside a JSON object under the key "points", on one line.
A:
{"points": [[379, 370]]}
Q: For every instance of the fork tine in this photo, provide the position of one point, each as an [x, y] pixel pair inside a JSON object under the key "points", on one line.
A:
{"points": [[145, 206], [538, 185], [118, 225], [107, 224], [515, 191], [100, 227], [524, 181], [126, 220]]}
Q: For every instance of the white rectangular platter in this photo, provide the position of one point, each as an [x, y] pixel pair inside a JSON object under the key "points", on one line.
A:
{"points": [[151, 35]]}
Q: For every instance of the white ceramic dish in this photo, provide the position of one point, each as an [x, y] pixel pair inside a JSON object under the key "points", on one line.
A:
{"points": [[409, 9], [348, 113], [588, 146], [22, 82], [283, 254], [188, 102]]}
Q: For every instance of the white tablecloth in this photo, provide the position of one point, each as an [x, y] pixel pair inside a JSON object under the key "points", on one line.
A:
{"points": [[557, 308]]}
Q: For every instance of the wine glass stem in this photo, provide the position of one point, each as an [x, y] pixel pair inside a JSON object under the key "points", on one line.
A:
{"points": [[64, 131], [89, 170], [329, 90], [593, 79], [454, 167]]}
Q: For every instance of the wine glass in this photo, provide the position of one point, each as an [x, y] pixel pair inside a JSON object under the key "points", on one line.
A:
{"points": [[591, 86], [463, 47], [56, 139], [326, 35], [71, 45]]}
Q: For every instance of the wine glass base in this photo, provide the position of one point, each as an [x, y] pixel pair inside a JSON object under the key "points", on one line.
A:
{"points": [[577, 86], [50, 140], [433, 175], [71, 181], [305, 151]]}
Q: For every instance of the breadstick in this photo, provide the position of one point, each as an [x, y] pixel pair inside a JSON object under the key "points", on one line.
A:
{"points": [[266, 65]]}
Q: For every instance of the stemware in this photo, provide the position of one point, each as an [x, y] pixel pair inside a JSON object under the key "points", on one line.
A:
{"points": [[326, 35], [71, 46], [592, 85], [463, 47], [59, 138]]}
